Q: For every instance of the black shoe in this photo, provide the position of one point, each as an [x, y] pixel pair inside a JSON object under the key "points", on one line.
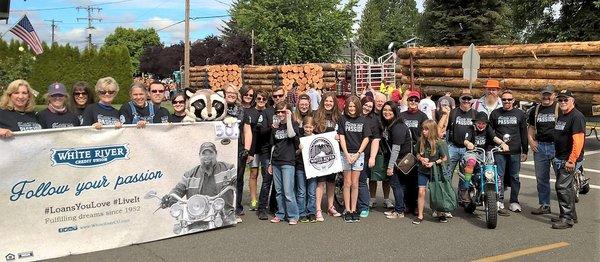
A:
{"points": [[443, 219], [563, 224], [303, 219], [355, 217], [542, 210], [558, 219], [503, 212], [262, 215], [417, 221], [347, 217], [312, 218]]}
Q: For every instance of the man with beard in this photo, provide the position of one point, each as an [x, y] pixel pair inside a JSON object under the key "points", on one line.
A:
{"points": [[490, 101]]}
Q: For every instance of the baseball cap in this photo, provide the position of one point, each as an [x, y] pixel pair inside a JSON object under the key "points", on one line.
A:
{"points": [[414, 94], [57, 88], [465, 93], [565, 93], [208, 146], [492, 84], [481, 116], [549, 89]]}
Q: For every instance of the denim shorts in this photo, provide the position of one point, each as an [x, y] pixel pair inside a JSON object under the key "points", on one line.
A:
{"points": [[423, 179], [356, 166]]}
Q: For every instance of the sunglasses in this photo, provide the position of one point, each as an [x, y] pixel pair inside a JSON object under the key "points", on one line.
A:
{"points": [[57, 96], [178, 102], [277, 96], [262, 99], [507, 99], [562, 100], [281, 111], [413, 100], [248, 95], [157, 91], [466, 99], [80, 93], [104, 92]]}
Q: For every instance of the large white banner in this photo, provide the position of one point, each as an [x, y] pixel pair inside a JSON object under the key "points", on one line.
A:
{"points": [[80, 190], [321, 155]]}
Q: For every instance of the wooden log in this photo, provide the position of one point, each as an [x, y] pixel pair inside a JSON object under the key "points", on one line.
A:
{"points": [[498, 51], [259, 69], [258, 82], [575, 63], [509, 73], [331, 67], [261, 76]]}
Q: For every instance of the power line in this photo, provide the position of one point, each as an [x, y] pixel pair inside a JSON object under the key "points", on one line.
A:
{"points": [[53, 27], [67, 7], [193, 18], [90, 19]]}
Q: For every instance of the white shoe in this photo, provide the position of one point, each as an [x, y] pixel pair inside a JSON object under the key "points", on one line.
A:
{"points": [[238, 219], [515, 207], [500, 205], [435, 214], [448, 215], [388, 203]]}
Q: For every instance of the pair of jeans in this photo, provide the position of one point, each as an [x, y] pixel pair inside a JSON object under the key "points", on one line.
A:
{"points": [[455, 155], [398, 188], [301, 192], [239, 208], [284, 180], [311, 196], [565, 191], [542, 160], [364, 196], [267, 181], [509, 164]]}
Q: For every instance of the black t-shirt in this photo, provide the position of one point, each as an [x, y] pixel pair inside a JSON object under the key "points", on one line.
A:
{"points": [[414, 121], [512, 122], [237, 111], [284, 147], [544, 122], [79, 113], [161, 114], [97, 113], [483, 139], [459, 124], [16, 121], [566, 126], [175, 118], [57, 120], [375, 126], [354, 131], [146, 113], [260, 121], [397, 134]]}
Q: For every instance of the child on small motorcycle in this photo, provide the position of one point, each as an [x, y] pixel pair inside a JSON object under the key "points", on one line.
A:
{"points": [[484, 137]]}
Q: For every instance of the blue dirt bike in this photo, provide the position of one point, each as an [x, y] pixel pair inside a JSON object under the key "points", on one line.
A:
{"points": [[482, 186]]}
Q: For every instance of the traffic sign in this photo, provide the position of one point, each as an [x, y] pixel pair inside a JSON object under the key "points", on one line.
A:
{"points": [[470, 64]]}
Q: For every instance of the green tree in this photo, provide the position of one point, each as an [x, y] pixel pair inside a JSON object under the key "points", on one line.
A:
{"points": [[296, 31], [136, 40], [385, 21], [460, 22]]}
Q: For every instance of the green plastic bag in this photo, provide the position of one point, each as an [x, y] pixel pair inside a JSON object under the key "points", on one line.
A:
{"points": [[379, 171], [442, 197]]}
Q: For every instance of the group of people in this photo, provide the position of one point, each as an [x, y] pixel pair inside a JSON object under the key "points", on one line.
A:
{"points": [[373, 134]]}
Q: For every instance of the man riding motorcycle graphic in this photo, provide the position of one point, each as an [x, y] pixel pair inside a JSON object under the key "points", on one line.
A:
{"points": [[200, 185]]}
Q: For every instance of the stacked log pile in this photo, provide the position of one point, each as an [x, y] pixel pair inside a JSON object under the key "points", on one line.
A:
{"points": [[322, 76], [521, 68]]}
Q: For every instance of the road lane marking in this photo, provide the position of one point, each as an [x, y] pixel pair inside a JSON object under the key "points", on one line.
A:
{"points": [[523, 252], [585, 169], [554, 180]]}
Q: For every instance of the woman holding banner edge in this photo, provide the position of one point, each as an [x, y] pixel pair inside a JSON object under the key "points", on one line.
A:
{"points": [[17, 107]]}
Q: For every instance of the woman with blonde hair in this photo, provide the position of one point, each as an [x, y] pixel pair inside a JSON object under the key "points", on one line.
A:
{"points": [[103, 113], [17, 109]]}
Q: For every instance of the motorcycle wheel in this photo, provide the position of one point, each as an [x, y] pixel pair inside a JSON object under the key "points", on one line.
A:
{"points": [[339, 190], [491, 207]]}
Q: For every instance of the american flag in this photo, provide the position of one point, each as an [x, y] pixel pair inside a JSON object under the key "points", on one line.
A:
{"points": [[24, 30]]}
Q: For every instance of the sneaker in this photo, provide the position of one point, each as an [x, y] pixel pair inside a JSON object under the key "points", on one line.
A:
{"points": [[435, 214], [387, 203], [312, 218], [319, 216], [355, 217], [503, 212], [364, 213], [448, 214], [347, 217], [562, 224], [262, 215], [542, 210], [394, 215], [275, 220], [515, 207], [500, 205], [332, 212], [557, 219], [253, 205], [304, 219], [372, 202], [240, 212], [238, 219], [387, 213], [417, 221], [443, 219], [292, 222]]}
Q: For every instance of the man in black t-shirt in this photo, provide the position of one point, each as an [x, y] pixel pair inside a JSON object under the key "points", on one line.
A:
{"points": [[569, 140], [541, 121], [511, 122], [157, 95], [459, 123]]}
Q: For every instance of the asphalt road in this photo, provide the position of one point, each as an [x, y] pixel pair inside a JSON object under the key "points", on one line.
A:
{"points": [[376, 238]]}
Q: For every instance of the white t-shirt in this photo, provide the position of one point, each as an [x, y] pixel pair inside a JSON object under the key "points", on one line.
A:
{"points": [[427, 106], [315, 98]]}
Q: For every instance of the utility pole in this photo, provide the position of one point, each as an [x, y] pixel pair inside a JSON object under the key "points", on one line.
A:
{"points": [[53, 27], [186, 46], [90, 19], [252, 47]]}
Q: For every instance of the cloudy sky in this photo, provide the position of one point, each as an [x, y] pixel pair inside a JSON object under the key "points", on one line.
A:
{"points": [[124, 13]]}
